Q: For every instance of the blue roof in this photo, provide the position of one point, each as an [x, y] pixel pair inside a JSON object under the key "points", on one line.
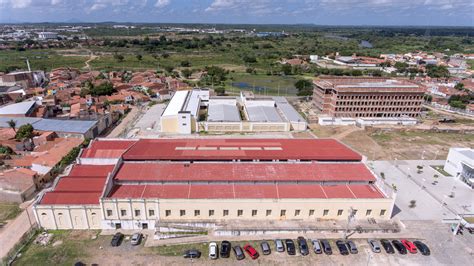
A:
{"points": [[57, 125]]}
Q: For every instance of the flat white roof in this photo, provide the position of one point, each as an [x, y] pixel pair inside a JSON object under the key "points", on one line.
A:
{"points": [[194, 100], [17, 108], [176, 103], [225, 110]]}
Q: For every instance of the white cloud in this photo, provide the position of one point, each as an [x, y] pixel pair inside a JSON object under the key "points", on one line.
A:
{"points": [[56, 2], [20, 3], [162, 3]]}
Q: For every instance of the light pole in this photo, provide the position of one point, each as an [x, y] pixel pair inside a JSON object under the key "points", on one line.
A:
{"points": [[349, 219], [423, 155]]}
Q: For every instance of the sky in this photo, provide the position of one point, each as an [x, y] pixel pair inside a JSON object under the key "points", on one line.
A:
{"points": [[319, 12]]}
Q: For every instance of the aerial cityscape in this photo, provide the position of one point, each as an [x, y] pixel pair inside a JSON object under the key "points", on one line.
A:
{"points": [[229, 132]]}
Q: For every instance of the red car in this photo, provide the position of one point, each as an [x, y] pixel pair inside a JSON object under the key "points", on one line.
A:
{"points": [[251, 251], [410, 246]]}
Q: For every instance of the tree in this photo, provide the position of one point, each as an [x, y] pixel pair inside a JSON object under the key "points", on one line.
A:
{"points": [[105, 88], [437, 71], [220, 91], [24, 132], [6, 150], [249, 59], [305, 87], [185, 63], [139, 57], [186, 72], [286, 69], [12, 124], [118, 57], [459, 86]]}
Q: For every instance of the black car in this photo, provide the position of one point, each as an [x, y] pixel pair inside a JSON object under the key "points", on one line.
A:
{"points": [[192, 254], [422, 247], [387, 246], [303, 246], [326, 247], [239, 252], [341, 245], [225, 249], [351, 246], [290, 247], [265, 248], [117, 240], [399, 247]]}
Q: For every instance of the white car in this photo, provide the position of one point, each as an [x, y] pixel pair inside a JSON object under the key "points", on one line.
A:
{"points": [[213, 250]]}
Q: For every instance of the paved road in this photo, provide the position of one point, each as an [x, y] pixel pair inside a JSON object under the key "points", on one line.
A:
{"points": [[14, 230]]}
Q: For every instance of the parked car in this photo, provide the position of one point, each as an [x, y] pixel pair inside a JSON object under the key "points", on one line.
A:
{"points": [[399, 247], [374, 245], [117, 240], [225, 249], [290, 247], [387, 246], [316, 246], [342, 247], [213, 250], [239, 253], [409, 246], [192, 254], [303, 246], [422, 247], [136, 239], [251, 251], [280, 247], [326, 247], [351, 246], [265, 248]]}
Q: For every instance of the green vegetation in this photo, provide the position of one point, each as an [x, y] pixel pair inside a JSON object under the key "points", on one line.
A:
{"points": [[8, 211], [105, 88], [25, 132], [305, 87], [471, 63], [460, 101], [178, 250], [72, 249], [6, 150]]}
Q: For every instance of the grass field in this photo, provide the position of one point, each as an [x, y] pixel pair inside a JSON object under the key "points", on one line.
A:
{"points": [[8, 211], [262, 84], [39, 60]]}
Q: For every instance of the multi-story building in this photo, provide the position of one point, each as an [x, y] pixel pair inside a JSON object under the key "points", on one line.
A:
{"points": [[136, 184], [460, 164], [367, 97]]}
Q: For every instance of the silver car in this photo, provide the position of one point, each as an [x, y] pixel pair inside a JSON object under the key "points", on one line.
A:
{"points": [[316, 246], [374, 244], [280, 247], [136, 239]]}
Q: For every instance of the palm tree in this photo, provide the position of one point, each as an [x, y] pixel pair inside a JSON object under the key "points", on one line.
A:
{"points": [[12, 125]]}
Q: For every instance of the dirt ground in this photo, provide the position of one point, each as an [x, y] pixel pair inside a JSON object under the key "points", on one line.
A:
{"points": [[391, 144]]}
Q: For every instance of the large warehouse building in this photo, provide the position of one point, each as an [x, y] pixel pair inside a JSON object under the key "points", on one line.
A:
{"points": [[135, 184], [367, 97]]}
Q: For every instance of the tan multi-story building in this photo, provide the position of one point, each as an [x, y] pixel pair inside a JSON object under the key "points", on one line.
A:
{"points": [[367, 97], [136, 184]]}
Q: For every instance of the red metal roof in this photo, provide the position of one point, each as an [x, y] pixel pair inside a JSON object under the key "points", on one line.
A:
{"points": [[91, 170], [83, 186], [107, 148], [241, 149], [235, 191], [235, 172]]}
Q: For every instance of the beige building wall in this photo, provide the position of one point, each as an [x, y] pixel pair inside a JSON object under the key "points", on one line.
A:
{"points": [[68, 217], [169, 124], [245, 126]]}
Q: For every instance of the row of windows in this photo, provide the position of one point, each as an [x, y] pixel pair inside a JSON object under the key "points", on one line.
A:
{"points": [[378, 97], [382, 109], [379, 103], [239, 213]]}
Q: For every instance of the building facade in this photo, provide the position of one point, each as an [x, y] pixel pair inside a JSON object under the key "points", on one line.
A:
{"points": [[135, 184], [460, 164], [367, 97]]}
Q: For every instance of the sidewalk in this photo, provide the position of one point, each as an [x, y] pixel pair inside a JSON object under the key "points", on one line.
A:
{"points": [[14, 230]]}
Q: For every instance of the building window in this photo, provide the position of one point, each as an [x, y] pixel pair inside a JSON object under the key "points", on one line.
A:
{"points": [[123, 212], [109, 212], [339, 212], [325, 212], [151, 212], [197, 212], [355, 212], [240, 212], [283, 213], [225, 212], [269, 212], [182, 212], [311, 212], [382, 212], [137, 212], [368, 212], [254, 212], [297, 212], [211, 212], [168, 213]]}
